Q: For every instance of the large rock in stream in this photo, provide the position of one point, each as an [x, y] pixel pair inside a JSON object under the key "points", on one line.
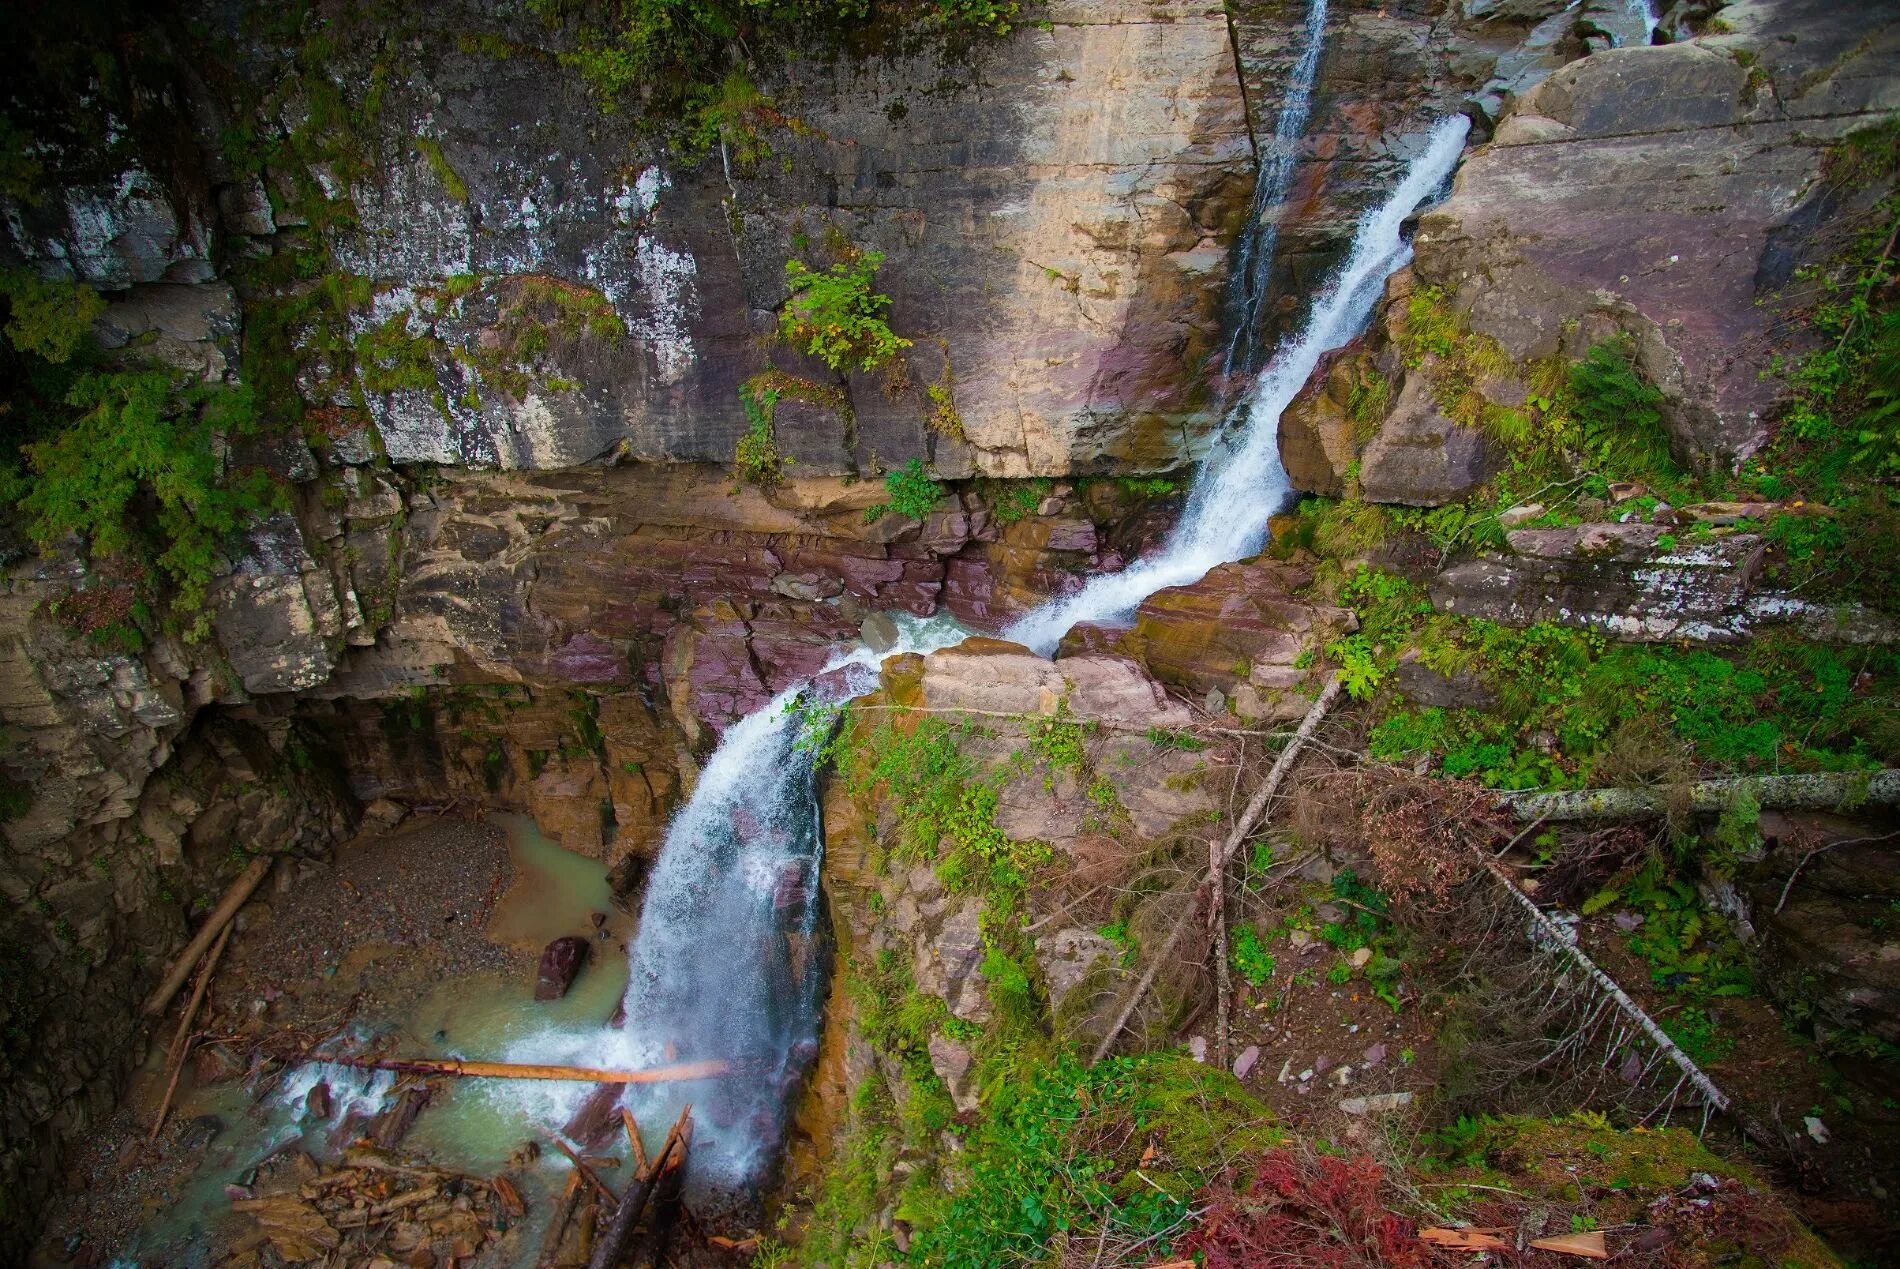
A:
{"points": [[560, 965]]}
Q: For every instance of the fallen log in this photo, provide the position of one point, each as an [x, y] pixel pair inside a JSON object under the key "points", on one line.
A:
{"points": [[221, 915], [181, 1043], [612, 1243], [1256, 806], [1816, 791], [532, 1071]]}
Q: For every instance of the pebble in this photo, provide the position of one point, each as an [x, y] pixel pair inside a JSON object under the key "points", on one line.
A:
{"points": [[1377, 1103], [1197, 1047], [1245, 1062]]}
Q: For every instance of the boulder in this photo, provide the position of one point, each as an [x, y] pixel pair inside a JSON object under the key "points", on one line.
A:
{"points": [[1237, 625], [560, 964], [1420, 458]]}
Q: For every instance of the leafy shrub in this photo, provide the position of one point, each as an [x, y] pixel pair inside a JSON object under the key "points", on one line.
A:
{"points": [[139, 460], [913, 493], [49, 319], [836, 316], [1251, 958]]}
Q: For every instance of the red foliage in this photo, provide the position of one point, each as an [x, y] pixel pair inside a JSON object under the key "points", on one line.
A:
{"points": [[1307, 1210]]}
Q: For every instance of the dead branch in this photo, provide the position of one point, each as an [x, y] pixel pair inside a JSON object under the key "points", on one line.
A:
{"points": [[221, 915], [1256, 806], [1788, 889], [1559, 938], [181, 1043]]}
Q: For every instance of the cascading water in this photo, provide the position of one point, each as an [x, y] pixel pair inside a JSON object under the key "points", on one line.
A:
{"points": [[1242, 484], [723, 964], [1253, 265], [720, 967], [1645, 10]]}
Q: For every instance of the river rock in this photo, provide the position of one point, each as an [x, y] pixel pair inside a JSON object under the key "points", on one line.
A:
{"points": [[560, 964]]}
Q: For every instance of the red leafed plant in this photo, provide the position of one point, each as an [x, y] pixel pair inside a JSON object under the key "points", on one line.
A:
{"points": [[1305, 1210]]}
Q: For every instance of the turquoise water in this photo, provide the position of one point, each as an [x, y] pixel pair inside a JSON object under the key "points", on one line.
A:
{"points": [[470, 1125]]}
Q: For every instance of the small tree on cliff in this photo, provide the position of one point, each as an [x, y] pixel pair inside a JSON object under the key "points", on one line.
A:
{"points": [[835, 315]]}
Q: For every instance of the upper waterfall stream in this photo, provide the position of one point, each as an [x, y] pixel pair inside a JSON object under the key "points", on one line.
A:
{"points": [[721, 967]]}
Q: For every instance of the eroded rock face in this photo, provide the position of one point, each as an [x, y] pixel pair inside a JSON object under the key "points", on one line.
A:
{"points": [[1635, 581], [93, 916], [1661, 191]]}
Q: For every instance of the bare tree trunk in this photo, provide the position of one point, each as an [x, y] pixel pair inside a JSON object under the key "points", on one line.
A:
{"points": [[1821, 791]]}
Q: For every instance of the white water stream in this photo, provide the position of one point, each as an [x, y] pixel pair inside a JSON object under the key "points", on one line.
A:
{"points": [[1253, 263], [720, 966], [1241, 483]]}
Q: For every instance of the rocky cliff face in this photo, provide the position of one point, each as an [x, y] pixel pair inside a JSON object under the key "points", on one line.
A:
{"points": [[1668, 193], [506, 330]]}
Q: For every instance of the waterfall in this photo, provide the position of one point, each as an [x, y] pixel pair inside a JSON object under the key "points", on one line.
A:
{"points": [[1253, 265], [1645, 10], [1242, 483], [721, 966]]}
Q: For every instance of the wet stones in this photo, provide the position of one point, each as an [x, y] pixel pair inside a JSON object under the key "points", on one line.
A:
{"points": [[560, 964]]}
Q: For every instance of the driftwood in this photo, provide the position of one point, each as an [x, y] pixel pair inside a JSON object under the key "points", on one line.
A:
{"points": [[1820, 791], [586, 1173], [221, 915], [613, 1243], [1256, 806], [181, 1043], [558, 1223], [531, 1071]]}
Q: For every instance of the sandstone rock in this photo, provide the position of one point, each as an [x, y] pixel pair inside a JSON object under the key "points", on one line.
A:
{"points": [[947, 965], [952, 1062], [1523, 513], [1625, 579], [1236, 621], [1671, 176], [1376, 1104], [1421, 458], [383, 814], [879, 632], [560, 964]]}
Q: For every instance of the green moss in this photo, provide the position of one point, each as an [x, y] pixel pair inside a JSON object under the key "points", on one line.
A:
{"points": [[431, 151], [390, 358]]}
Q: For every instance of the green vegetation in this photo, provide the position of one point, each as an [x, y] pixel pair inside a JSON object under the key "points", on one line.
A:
{"points": [[1251, 958], [673, 56], [757, 458], [912, 493], [431, 151], [123, 456], [1838, 443], [834, 314], [1568, 701]]}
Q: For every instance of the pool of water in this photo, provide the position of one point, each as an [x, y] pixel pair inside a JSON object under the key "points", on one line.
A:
{"points": [[474, 1125]]}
